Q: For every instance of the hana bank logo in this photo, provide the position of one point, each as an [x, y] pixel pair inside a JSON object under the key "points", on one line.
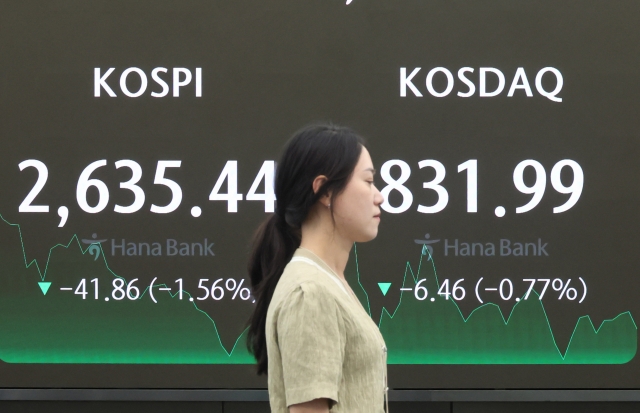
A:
{"points": [[426, 245], [94, 246], [503, 247]]}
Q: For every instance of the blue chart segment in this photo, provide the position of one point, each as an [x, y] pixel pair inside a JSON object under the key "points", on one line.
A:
{"points": [[435, 331], [40, 325]]}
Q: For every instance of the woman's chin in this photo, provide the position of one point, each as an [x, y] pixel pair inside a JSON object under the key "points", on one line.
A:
{"points": [[369, 236]]}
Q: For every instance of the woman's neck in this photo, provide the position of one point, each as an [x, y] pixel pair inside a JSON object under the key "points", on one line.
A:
{"points": [[327, 244]]}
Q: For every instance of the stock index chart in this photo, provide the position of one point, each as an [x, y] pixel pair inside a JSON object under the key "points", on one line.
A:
{"points": [[140, 142]]}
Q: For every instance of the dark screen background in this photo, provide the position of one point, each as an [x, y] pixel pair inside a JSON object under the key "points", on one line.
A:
{"points": [[268, 68]]}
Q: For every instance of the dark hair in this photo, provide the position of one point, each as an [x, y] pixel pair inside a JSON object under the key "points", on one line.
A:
{"points": [[319, 149]]}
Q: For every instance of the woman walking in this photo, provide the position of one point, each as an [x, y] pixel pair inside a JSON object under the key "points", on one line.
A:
{"points": [[309, 332]]}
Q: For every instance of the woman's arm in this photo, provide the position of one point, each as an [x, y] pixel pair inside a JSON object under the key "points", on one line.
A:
{"points": [[314, 406]]}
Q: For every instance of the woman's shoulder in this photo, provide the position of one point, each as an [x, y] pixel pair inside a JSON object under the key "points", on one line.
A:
{"points": [[301, 292], [303, 276]]}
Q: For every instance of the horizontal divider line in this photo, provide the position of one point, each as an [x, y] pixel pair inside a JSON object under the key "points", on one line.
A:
{"points": [[261, 395]]}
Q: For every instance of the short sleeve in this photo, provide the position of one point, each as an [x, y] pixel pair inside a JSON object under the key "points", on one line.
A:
{"points": [[311, 337]]}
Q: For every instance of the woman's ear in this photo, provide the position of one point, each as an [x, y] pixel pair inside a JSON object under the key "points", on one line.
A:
{"points": [[317, 184]]}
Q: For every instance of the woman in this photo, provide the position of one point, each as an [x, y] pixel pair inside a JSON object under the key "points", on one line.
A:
{"points": [[309, 332]]}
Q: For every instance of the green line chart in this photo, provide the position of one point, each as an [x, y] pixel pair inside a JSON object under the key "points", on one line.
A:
{"points": [[37, 328], [41, 327], [437, 332]]}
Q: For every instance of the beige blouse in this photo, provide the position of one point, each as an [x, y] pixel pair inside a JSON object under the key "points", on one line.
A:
{"points": [[321, 343]]}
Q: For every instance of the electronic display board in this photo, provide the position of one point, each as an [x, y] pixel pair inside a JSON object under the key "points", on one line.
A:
{"points": [[140, 141]]}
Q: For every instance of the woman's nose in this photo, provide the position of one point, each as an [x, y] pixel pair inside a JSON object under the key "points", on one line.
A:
{"points": [[378, 199]]}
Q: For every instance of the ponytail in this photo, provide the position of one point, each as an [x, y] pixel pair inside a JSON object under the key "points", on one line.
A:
{"points": [[322, 149], [273, 247]]}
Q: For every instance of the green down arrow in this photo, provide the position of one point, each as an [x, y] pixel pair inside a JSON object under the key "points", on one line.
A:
{"points": [[384, 287], [44, 286]]}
